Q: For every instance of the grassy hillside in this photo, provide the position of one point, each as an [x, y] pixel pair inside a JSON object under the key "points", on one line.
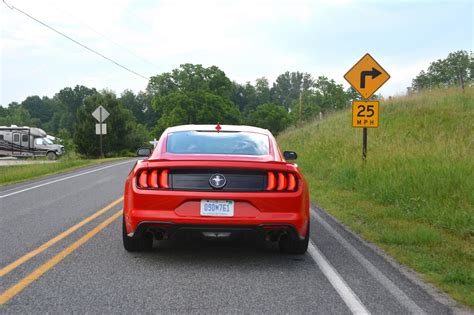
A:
{"points": [[415, 194]]}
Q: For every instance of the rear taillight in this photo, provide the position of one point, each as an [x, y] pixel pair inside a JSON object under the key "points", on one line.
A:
{"points": [[291, 181], [164, 179], [153, 179], [142, 179], [280, 181], [271, 181]]}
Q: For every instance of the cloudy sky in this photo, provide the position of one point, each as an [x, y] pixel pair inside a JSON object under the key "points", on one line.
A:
{"points": [[245, 38]]}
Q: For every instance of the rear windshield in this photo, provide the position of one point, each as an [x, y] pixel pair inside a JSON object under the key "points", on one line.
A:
{"points": [[208, 142]]}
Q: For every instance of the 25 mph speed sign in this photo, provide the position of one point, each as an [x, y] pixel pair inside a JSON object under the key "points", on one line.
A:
{"points": [[366, 77], [365, 114]]}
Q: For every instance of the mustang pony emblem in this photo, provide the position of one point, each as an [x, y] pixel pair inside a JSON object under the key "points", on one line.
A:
{"points": [[217, 181]]}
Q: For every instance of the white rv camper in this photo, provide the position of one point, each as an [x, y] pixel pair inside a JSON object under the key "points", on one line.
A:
{"points": [[26, 141]]}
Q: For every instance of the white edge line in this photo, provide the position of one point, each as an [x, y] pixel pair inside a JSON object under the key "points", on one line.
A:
{"points": [[61, 179], [345, 292], [399, 295], [25, 184]]}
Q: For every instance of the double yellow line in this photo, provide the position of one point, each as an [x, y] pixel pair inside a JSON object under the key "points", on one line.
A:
{"points": [[23, 283]]}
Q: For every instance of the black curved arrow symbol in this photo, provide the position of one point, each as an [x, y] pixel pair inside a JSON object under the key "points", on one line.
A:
{"points": [[374, 73]]}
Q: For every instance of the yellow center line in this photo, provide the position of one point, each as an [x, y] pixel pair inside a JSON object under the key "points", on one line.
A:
{"points": [[56, 239], [23, 283]]}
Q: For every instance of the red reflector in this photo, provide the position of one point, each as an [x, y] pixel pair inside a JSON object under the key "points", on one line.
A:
{"points": [[281, 181], [153, 179], [142, 180], [164, 179], [291, 182], [271, 181]]}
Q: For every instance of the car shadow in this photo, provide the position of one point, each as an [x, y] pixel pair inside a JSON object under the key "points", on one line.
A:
{"points": [[226, 251]]}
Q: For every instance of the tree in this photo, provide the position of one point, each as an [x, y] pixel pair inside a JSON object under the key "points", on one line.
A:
{"points": [[16, 114], [140, 106], [199, 107], [150, 115], [123, 133], [72, 99], [330, 95], [262, 91], [244, 96], [190, 77], [132, 103], [38, 108], [237, 95], [456, 69], [307, 109], [270, 116], [192, 94], [58, 112], [288, 87], [3, 112], [282, 91]]}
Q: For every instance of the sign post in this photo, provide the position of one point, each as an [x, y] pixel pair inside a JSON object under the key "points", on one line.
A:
{"points": [[100, 114], [366, 77]]}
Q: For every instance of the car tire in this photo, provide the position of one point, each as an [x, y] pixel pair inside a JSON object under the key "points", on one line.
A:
{"points": [[51, 155], [296, 246], [145, 243]]}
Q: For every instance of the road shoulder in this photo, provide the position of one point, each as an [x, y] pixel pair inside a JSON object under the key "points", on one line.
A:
{"points": [[369, 250]]}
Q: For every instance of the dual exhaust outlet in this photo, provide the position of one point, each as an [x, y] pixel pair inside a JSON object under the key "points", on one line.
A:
{"points": [[272, 233]]}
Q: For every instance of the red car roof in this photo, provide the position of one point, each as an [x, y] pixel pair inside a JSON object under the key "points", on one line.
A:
{"points": [[213, 128], [160, 152]]}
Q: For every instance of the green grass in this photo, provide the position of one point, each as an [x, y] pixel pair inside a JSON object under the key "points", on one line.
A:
{"points": [[18, 173], [414, 196]]}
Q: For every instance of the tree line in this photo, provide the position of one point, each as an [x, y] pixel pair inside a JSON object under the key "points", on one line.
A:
{"points": [[190, 94], [457, 69], [193, 94]]}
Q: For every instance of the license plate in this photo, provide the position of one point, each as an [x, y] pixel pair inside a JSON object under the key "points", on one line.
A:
{"points": [[217, 208]]}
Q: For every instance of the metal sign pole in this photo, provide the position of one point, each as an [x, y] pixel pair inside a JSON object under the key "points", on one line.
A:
{"points": [[100, 114], [100, 134], [364, 141], [364, 144]]}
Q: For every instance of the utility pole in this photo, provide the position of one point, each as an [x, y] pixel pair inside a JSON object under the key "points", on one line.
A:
{"points": [[300, 109], [461, 79]]}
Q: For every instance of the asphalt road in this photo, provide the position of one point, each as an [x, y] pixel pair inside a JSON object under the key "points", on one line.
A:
{"points": [[80, 266]]}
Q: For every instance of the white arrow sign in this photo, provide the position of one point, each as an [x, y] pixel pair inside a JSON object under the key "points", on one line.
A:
{"points": [[100, 114]]}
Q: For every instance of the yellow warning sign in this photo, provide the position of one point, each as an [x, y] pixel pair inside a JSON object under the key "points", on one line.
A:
{"points": [[365, 114], [366, 76]]}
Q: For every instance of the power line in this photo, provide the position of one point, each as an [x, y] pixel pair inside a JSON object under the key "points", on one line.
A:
{"points": [[75, 41]]}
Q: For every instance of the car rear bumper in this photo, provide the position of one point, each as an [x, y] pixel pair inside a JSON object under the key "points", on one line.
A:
{"points": [[166, 230], [181, 209]]}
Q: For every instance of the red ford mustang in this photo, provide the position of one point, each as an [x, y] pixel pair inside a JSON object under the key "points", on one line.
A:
{"points": [[217, 182]]}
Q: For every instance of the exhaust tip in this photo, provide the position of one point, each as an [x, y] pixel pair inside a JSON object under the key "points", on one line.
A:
{"points": [[159, 235], [276, 236]]}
